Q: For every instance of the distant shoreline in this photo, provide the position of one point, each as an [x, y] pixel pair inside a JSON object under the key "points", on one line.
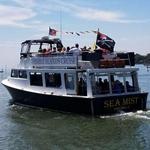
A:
{"points": [[141, 59]]}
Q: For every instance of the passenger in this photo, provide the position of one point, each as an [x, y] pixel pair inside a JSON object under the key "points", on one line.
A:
{"points": [[54, 50], [100, 85], [48, 51], [84, 48], [122, 87], [44, 50], [76, 50], [63, 50], [69, 82], [68, 49], [117, 87], [59, 49], [82, 87], [41, 52], [105, 88], [129, 87]]}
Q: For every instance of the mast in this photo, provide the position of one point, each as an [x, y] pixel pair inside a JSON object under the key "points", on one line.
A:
{"points": [[60, 24]]}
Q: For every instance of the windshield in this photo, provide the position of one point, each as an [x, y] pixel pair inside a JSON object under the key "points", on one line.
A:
{"points": [[24, 48]]}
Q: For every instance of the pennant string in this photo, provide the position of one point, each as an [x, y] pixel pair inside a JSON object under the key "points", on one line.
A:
{"points": [[53, 32]]}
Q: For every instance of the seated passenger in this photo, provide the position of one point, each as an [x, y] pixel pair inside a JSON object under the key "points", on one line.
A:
{"points": [[48, 51], [105, 88], [117, 88], [59, 49], [54, 50], [129, 87], [100, 85], [63, 50], [41, 52], [44, 50]]}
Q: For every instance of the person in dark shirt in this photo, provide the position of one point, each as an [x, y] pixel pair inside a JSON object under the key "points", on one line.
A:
{"points": [[105, 88], [129, 87]]}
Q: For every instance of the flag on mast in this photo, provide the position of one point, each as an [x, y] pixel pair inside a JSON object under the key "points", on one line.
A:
{"points": [[52, 32], [105, 42]]}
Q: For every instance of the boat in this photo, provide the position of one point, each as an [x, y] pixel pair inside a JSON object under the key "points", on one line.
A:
{"points": [[1, 71], [90, 83]]}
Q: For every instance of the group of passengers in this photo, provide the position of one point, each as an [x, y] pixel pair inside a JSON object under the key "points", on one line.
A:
{"points": [[102, 86], [74, 49], [117, 86]]}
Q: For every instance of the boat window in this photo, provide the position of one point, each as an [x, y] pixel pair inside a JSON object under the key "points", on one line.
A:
{"points": [[117, 82], [45, 46], [22, 74], [24, 48], [35, 47], [99, 83], [69, 81], [39, 47], [14, 73], [53, 79], [82, 83], [36, 79]]}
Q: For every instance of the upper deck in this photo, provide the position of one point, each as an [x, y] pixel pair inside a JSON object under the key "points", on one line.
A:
{"points": [[49, 53]]}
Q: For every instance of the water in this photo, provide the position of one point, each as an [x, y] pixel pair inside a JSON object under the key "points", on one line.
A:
{"points": [[31, 129]]}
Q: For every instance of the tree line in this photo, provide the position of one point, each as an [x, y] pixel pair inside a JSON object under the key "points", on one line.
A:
{"points": [[142, 59]]}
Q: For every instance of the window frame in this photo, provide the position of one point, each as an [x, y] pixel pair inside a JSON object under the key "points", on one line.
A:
{"points": [[56, 77], [39, 79]]}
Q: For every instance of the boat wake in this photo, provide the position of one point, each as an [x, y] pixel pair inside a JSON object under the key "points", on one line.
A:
{"points": [[139, 115], [145, 115]]}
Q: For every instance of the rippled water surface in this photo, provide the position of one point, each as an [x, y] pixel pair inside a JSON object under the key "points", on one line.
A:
{"points": [[31, 129]]}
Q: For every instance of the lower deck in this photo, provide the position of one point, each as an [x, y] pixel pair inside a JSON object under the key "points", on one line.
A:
{"points": [[81, 105], [77, 82], [91, 91]]}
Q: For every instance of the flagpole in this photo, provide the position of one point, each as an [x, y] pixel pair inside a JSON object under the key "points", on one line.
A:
{"points": [[48, 32], [60, 25], [97, 35]]}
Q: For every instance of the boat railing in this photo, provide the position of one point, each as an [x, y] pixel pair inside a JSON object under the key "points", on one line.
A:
{"points": [[83, 60], [60, 60]]}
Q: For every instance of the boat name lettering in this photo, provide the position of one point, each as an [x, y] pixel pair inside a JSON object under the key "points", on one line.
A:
{"points": [[120, 102], [55, 60], [61, 61]]}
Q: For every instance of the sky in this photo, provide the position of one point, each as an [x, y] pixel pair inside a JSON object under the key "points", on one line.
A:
{"points": [[125, 21]]}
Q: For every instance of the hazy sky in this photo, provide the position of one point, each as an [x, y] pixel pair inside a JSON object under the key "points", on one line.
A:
{"points": [[126, 21]]}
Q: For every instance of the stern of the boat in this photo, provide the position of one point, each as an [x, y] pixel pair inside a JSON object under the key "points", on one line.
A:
{"points": [[121, 103]]}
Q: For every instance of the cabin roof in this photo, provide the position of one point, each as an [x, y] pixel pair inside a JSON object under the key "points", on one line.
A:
{"points": [[43, 40], [108, 70]]}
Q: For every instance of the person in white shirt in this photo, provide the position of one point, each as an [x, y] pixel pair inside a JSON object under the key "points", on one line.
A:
{"points": [[75, 50]]}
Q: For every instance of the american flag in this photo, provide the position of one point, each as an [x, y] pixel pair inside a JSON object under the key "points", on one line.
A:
{"points": [[52, 32]]}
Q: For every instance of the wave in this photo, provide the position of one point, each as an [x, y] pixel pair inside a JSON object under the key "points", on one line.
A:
{"points": [[138, 115]]}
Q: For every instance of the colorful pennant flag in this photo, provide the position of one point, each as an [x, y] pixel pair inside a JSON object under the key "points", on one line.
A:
{"points": [[77, 34]]}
